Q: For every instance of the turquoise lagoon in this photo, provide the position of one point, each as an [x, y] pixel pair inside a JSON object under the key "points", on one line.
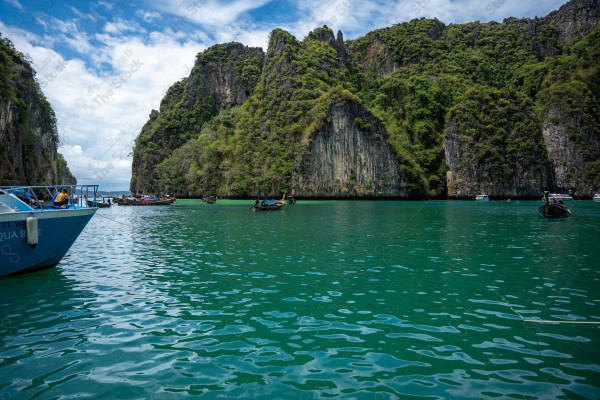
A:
{"points": [[338, 299]]}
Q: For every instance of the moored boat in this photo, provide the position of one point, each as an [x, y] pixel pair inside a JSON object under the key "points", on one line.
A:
{"points": [[209, 199], [268, 205], [553, 207], [36, 236], [482, 197], [100, 202], [291, 200], [147, 201], [596, 197]]}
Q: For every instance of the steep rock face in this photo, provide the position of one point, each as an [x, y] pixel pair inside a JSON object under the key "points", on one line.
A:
{"points": [[223, 76], [377, 58], [573, 148], [497, 150], [227, 76], [349, 156], [574, 20], [28, 134], [466, 177]]}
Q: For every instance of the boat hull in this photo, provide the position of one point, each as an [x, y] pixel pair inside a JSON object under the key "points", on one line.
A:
{"points": [[57, 230], [147, 203], [98, 204], [274, 207], [554, 210]]}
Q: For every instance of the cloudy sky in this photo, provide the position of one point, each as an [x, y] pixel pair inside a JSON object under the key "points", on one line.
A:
{"points": [[104, 65]]}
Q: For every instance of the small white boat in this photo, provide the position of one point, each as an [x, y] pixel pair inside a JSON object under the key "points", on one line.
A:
{"points": [[482, 197], [596, 197]]}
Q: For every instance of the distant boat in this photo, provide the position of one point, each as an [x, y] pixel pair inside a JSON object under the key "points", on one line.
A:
{"points": [[482, 197], [554, 207], [596, 197], [34, 236], [291, 200], [209, 199], [100, 202], [268, 205], [147, 201]]}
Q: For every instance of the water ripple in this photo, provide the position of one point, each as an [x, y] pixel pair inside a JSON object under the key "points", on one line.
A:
{"points": [[348, 300]]}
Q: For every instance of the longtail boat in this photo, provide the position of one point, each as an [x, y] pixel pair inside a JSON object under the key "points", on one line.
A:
{"points": [[268, 205], [553, 208], [209, 199], [147, 201]]}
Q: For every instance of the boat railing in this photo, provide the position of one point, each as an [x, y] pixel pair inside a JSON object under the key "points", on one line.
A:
{"points": [[44, 196]]}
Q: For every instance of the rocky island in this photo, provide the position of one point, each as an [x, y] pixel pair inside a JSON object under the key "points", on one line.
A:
{"points": [[421, 109]]}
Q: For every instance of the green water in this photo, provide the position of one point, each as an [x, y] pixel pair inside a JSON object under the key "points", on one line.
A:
{"points": [[347, 300]]}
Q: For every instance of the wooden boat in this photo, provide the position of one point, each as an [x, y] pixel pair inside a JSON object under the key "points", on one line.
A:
{"points": [[268, 205], [98, 204], [209, 199], [147, 201], [553, 208]]}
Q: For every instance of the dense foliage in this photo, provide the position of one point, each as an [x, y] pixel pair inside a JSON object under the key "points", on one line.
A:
{"points": [[186, 107], [494, 81], [28, 134]]}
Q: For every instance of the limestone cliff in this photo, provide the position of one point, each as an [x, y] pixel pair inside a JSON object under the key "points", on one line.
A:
{"points": [[223, 76], [348, 156], [500, 158], [28, 133], [574, 20], [573, 147], [417, 110]]}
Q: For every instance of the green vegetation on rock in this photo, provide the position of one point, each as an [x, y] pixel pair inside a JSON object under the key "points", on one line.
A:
{"points": [[500, 91]]}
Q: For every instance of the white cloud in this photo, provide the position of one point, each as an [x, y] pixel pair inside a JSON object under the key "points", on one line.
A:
{"points": [[16, 4], [120, 26], [211, 13], [82, 15], [100, 116], [148, 16]]}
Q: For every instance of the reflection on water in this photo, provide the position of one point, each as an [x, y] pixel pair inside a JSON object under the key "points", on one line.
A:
{"points": [[340, 299]]}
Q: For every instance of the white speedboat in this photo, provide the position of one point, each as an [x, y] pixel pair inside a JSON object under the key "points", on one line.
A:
{"points": [[36, 234], [596, 197], [482, 197]]}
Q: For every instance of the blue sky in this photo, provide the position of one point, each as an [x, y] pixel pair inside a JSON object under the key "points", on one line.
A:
{"points": [[104, 65]]}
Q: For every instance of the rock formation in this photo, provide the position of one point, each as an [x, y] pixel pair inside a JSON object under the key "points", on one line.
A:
{"points": [[28, 133], [223, 76], [349, 157], [417, 110]]}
